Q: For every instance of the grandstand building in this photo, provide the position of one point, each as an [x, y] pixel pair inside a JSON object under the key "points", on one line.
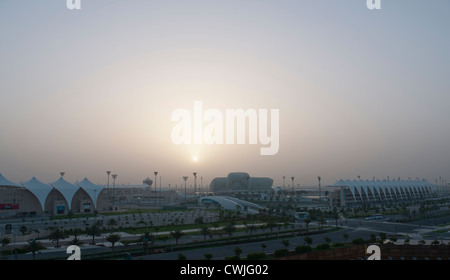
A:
{"points": [[35, 198], [360, 192]]}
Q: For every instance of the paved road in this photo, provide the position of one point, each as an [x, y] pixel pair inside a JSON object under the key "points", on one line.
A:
{"points": [[355, 228]]}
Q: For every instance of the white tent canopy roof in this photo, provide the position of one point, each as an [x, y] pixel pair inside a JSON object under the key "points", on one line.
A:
{"points": [[7, 183], [39, 189], [92, 189], [67, 189]]}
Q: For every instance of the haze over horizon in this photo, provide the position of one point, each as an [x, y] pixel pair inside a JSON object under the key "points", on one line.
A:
{"points": [[360, 92]]}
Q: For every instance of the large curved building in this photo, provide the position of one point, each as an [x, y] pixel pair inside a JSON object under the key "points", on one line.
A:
{"points": [[358, 192], [240, 182], [229, 203], [61, 197]]}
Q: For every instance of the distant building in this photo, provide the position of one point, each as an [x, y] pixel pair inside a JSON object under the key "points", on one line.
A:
{"points": [[240, 182], [359, 192]]}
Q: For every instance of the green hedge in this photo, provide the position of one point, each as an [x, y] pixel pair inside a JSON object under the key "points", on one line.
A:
{"points": [[301, 249], [256, 256], [281, 252]]}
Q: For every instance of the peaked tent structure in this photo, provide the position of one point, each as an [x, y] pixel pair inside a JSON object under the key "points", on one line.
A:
{"points": [[39, 189], [67, 189], [92, 189], [7, 183]]}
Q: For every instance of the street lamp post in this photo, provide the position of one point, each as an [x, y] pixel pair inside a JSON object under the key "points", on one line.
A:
{"points": [[156, 173], [195, 182], [114, 176], [185, 179], [320, 194], [293, 188]]}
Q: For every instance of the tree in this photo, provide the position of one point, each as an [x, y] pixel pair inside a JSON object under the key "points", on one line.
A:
{"points": [[237, 252], [56, 235], [208, 256], [270, 225], [147, 238], [76, 232], [382, 237], [23, 230], [229, 229], [111, 223], [33, 246], [285, 242], [345, 235], [263, 246], [4, 241], [76, 241], [176, 234], [251, 228], [336, 217], [308, 240], [327, 239], [93, 231], [205, 231], [113, 238], [307, 221]]}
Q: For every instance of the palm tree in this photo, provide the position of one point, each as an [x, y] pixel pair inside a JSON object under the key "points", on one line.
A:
{"points": [[345, 235], [56, 235], [111, 223], [285, 242], [93, 231], [75, 241], [177, 234], [336, 217], [251, 228], [308, 240], [146, 239], [23, 230], [205, 231], [229, 229], [34, 246], [237, 252], [4, 241], [307, 221], [75, 232], [113, 238], [271, 224], [263, 246]]}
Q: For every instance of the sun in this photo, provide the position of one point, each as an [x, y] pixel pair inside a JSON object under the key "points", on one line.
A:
{"points": [[195, 158]]}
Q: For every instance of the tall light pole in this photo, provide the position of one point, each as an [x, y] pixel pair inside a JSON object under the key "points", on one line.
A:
{"points": [[185, 179], [284, 183], [156, 173], [293, 188], [195, 182], [320, 194], [114, 176], [108, 172]]}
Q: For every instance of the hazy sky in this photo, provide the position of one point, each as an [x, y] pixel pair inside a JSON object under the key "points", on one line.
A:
{"points": [[360, 92]]}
